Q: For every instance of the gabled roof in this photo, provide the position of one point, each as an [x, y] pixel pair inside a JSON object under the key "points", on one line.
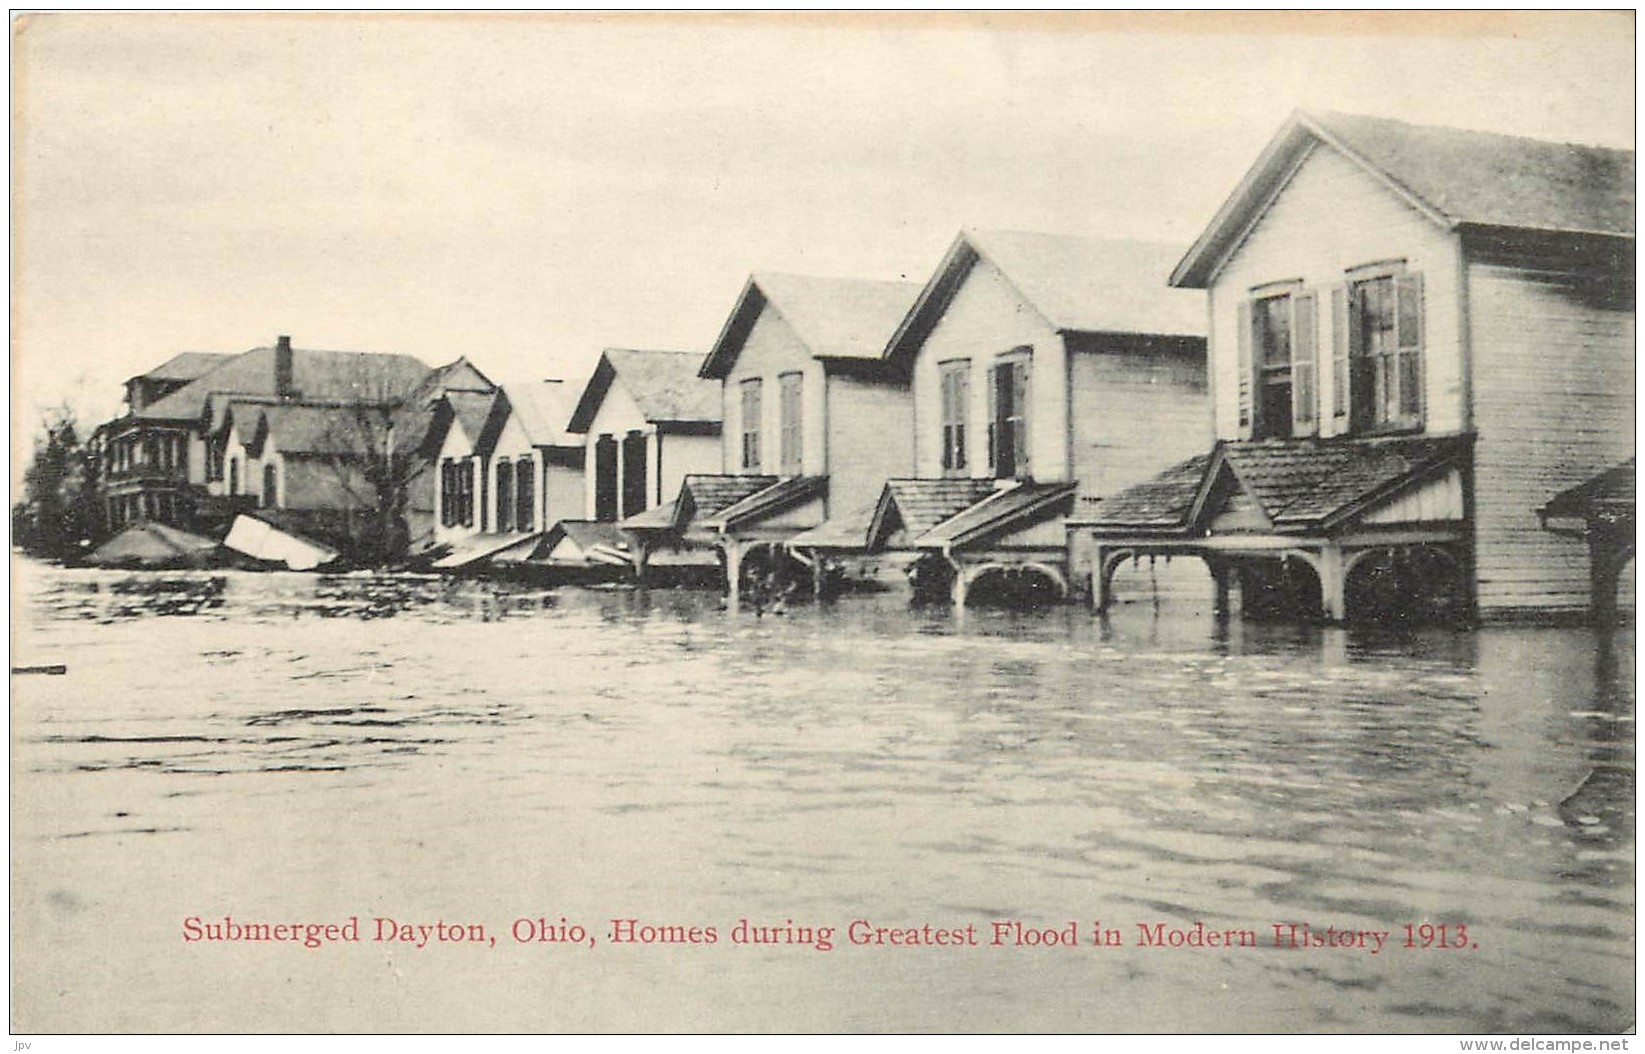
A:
{"points": [[1004, 510], [781, 495], [921, 504], [338, 431], [1607, 497], [702, 495], [185, 366], [656, 518], [418, 423], [542, 409], [478, 412], [339, 376], [1456, 178], [837, 319], [1300, 485], [151, 544], [663, 384], [1077, 285], [848, 529]]}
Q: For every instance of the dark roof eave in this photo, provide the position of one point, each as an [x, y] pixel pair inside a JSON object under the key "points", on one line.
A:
{"points": [[689, 428]]}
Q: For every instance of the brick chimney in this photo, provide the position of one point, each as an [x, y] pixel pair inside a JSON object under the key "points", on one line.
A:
{"points": [[282, 368]]}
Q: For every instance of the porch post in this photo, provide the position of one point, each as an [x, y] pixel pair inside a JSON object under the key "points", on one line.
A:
{"points": [[1220, 574], [1099, 580], [642, 556], [960, 585], [816, 573], [1332, 582], [733, 573]]}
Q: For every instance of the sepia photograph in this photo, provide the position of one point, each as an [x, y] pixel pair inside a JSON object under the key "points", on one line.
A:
{"points": [[924, 522]]}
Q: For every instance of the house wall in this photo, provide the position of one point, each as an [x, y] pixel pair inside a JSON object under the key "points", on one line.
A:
{"points": [[870, 429], [313, 482], [682, 455], [616, 416], [1139, 407], [1332, 216], [987, 318], [773, 349], [1553, 384], [515, 447], [562, 485]]}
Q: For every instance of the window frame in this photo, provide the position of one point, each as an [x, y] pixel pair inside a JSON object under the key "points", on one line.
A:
{"points": [[791, 422], [1386, 385], [1019, 362], [751, 408], [954, 414]]}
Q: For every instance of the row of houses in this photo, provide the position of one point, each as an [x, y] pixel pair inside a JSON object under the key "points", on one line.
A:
{"points": [[1394, 374]]}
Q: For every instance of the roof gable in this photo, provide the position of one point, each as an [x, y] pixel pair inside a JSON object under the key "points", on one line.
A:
{"points": [[837, 319], [542, 409], [1456, 178], [664, 385], [1077, 285]]}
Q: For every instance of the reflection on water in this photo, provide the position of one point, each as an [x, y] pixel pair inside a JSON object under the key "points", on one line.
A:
{"points": [[468, 745]]}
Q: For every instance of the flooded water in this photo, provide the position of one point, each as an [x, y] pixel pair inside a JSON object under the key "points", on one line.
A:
{"points": [[296, 749]]}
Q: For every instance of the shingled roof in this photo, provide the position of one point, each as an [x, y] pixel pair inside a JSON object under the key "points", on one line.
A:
{"points": [[703, 495], [1004, 510], [838, 319], [920, 504], [186, 366], [318, 376], [318, 430], [1606, 498], [1300, 485], [1076, 284], [542, 409], [1456, 178], [663, 384], [767, 502]]}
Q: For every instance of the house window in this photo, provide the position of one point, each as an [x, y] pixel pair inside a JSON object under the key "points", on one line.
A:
{"points": [[1379, 357], [635, 473], [457, 492], [751, 425], [505, 496], [448, 493], [956, 408], [234, 475], [465, 480], [792, 438], [1279, 394], [271, 487], [1008, 417], [525, 499], [605, 478]]}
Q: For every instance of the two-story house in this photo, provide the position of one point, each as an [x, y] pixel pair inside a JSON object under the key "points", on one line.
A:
{"points": [[815, 419], [1419, 336], [159, 460], [1046, 371]]}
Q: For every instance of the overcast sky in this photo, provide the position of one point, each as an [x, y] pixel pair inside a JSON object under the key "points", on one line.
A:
{"points": [[527, 190]]}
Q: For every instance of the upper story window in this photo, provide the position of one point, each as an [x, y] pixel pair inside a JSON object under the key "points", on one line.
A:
{"points": [[1279, 331], [956, 408], [1008, 416], [751, 408], [791, 389], [1378, 353]]}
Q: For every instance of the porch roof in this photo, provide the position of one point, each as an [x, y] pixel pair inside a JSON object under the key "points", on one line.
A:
{"points": [[780, 495], [1299, 484], [847, 530], [1001, 510], [704, 494], [656, 518], [921, 504], [1605, 498]]}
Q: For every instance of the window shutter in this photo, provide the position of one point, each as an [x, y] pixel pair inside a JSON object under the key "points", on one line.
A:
{"points": [[1340, 380], [993, 417], [1409, 309], [1246, 368], [1304, 365], [1019, 410]]}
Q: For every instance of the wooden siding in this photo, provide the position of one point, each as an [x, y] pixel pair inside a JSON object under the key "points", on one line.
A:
{"points": [[1138, 408], [988, 318], [1330, 217], [771, 350], [1554, 404], [870, 440], [1436, 501], [675, 457]]}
